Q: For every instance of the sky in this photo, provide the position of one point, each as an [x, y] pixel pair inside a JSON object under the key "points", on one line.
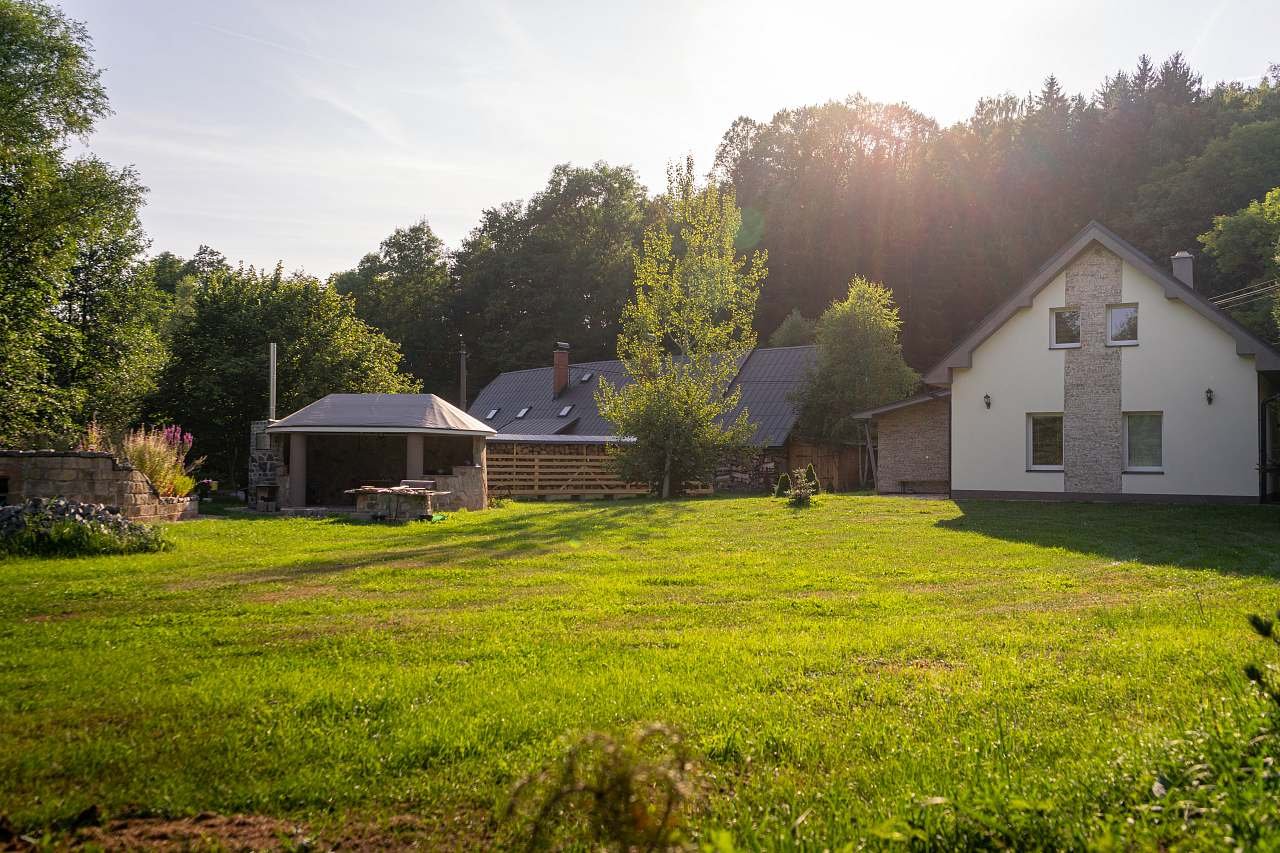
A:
{"points": [[308, 131]]}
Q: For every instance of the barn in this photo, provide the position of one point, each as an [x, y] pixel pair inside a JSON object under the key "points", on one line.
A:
{"points": [[551, 440]]}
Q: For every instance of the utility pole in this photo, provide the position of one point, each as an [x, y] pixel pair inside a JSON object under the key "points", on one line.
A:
{"points": [[462, 373]]}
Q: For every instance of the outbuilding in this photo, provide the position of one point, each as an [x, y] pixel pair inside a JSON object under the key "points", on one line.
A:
{"points": [[313, 457]]}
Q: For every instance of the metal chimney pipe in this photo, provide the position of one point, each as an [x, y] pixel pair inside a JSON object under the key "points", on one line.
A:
{"points": [[271, 408]]}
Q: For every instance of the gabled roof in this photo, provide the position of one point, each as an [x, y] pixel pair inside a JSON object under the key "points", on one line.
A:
{"points": [[517, 389], [407, 413], [1247, 344], [768, 378]]}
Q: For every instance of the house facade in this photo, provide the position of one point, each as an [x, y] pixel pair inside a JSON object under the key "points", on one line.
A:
{"points": [[1104, 377]]}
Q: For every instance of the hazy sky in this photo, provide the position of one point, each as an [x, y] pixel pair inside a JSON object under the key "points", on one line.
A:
{"points": [[308, 131]]}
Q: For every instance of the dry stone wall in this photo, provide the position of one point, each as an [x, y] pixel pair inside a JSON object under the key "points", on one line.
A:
{"points": [[89, 477]]}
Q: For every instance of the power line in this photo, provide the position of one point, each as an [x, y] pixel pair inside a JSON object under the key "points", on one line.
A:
{"points": [[1230, 293], [1254, 290]]}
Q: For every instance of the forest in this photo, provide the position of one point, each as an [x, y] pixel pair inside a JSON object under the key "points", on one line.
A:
{"points": [[97, 324]]}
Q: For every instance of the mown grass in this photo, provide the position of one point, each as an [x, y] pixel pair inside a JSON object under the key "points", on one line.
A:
{"points": [[839, 671]]}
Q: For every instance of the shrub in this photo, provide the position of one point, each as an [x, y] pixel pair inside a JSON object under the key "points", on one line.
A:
{"points": [[60, 527], [783, 488], [801, 493], [161, 454], [811, 477], [623, 794]]}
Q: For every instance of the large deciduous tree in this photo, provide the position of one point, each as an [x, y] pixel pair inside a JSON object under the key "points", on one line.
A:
{"points": [[216, 382], [68, 234], [684, 331], [859, 363], [405, 291], [555, 269], [1246, 248]]}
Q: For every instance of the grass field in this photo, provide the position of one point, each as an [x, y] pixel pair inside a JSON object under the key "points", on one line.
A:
{"points": [[866, 670]]}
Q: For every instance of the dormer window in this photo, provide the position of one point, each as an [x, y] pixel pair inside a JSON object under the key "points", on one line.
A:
{"points": [[565, 411], [522, 412], [1122, 325], [1065, 331], [493, 413]]}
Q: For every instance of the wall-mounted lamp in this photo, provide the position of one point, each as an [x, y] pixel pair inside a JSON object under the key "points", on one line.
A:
{"points": [[1208, 396], [986, 398]]}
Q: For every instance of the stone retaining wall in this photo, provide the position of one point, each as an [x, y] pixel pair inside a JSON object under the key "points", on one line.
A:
{"points": [[89, 477]]}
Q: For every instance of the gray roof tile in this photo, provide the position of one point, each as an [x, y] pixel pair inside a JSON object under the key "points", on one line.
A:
{"points": [[767, 377]]}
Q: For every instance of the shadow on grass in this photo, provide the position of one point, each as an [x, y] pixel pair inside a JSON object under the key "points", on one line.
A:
{"points": [[501, 536], [1236, 540]]}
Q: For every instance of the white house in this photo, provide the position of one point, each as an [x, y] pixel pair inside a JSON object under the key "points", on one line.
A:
{"points": [[1102, 378]]}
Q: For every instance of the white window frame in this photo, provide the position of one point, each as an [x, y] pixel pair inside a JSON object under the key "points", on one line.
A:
{"points": [[522, 412], [1031, 446], [1124, 438], [493, 413], [564, 413], [1053, 327], [1114, 343]]}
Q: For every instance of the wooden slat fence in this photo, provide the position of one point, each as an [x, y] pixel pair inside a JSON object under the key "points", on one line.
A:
{"points": [[548, 470]]}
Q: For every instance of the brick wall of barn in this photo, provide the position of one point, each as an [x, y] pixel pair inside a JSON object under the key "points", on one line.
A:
{"points": [[914, 449]]}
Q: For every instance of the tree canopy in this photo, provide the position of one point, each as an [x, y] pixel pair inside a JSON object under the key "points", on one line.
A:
{"points": [[859, 363], [405, 291]]}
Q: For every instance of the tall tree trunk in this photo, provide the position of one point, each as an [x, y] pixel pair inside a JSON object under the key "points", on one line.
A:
{"points": [[666, 475]]}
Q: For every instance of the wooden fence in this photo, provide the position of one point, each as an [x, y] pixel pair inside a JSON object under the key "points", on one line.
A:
{"points": [[840, 468], [555, 470]]}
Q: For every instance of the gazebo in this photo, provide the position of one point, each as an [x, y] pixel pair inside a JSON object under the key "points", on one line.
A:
{"points": [[346, 441]]}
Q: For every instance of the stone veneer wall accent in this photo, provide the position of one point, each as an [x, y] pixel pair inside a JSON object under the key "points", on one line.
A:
{"points": [[266, 459], [914, 448], [90, 477], [1092, 421]]}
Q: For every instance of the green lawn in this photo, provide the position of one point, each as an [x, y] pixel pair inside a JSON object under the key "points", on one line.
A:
{"points": [[833, 670]]}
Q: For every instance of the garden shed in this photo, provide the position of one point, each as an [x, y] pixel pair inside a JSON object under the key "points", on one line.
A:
{"points": [[315, 456]]}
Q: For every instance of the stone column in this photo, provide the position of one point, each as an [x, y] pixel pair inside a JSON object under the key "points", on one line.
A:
{"points": [[413, 456], [1091, 417], [297, 469]]}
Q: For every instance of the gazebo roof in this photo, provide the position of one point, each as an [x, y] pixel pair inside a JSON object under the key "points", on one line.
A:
{"points": [[382, 413]]}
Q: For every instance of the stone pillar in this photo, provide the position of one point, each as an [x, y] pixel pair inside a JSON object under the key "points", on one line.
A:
{"points": [[1091, 417], [297, 469], [413, 456]]}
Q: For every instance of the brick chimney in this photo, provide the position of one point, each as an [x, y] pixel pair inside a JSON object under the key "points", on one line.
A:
{"points": [[560, 368], [1184, 266]]}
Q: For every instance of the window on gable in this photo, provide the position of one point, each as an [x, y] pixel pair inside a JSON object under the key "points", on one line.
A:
{"points": [[1066, 328], [493, 413], [522, 412], [1044, 442], [1122, 325], [565, 410], [1143, 441]]}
